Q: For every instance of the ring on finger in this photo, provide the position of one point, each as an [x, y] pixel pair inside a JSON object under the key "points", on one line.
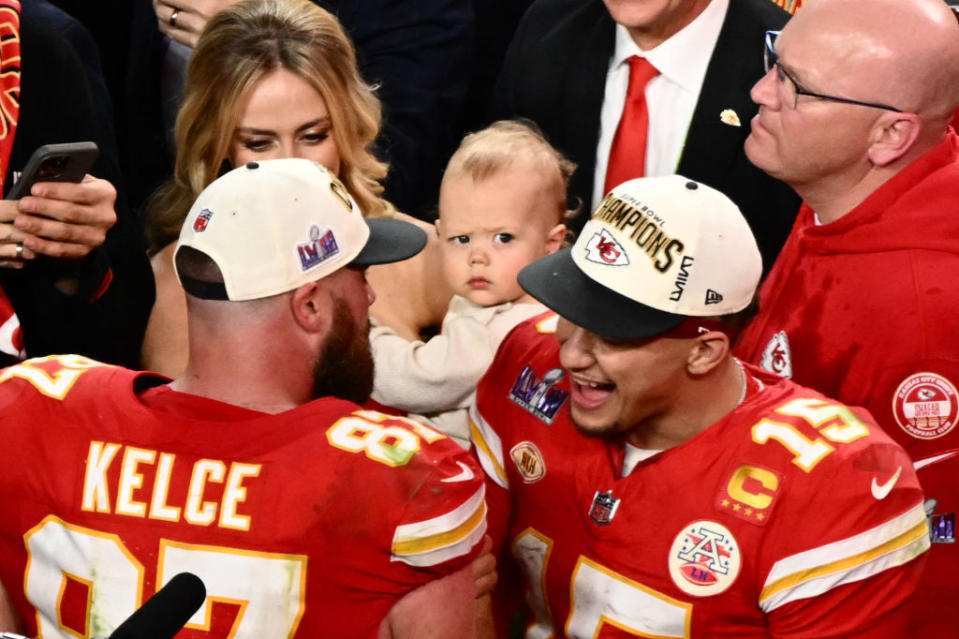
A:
{"points": [[173, 17], [19, 250]]}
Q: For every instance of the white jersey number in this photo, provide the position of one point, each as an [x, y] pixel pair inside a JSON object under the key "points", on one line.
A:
{"points": [[600, 596], [269, 588]]}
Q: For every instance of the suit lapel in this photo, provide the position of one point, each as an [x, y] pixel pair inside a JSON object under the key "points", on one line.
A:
{"points": [[589, 51], [712, 145]]}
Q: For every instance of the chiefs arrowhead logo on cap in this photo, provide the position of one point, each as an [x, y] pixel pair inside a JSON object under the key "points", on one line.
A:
{"points": [[603, 248]]}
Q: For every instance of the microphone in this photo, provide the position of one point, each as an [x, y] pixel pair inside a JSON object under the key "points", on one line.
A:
{"points": [[166, 612]]}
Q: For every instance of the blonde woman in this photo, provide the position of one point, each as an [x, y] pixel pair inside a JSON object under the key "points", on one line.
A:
{"points": [[272, 79]]}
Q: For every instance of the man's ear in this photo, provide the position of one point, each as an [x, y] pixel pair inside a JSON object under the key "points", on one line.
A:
{"points": [[310, 307], [554, 240], [708, 351], [893, 136]]}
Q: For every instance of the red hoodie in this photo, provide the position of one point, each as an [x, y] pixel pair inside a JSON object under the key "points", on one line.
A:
{"points": [[866, 309]]}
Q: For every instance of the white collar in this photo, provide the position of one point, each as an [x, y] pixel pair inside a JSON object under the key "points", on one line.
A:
{"points": [[683, 57]]}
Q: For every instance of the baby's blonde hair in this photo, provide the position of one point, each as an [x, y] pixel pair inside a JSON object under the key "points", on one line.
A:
{"points": [[506, 143]]}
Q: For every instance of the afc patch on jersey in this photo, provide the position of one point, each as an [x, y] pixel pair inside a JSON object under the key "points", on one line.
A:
{"points": [[777, 357], [529, 461], [704, 559], [925, 405], [537, 395], [320, 248]]}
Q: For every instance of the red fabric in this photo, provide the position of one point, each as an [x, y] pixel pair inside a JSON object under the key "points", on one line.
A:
{"points": [[11, 339], [857, 307], [627, 156], [321, 509], [593, 574], [932, 610], [9, 80]]}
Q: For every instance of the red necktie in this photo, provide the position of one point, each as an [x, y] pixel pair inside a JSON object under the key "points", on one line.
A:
{"points": [[627, 156]]}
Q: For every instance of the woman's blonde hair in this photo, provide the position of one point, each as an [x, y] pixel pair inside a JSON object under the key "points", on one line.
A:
{"points": [[240, 45], [507, 142]]}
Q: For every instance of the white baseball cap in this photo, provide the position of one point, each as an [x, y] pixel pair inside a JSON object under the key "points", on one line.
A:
{"points": [[656, 251], [275, 225]]}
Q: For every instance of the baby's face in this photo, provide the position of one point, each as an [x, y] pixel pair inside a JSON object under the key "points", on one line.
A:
{"points": [[491, 229]]}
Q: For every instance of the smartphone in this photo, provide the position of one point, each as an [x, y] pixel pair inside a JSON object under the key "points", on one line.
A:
{"points": [[55, 163]]}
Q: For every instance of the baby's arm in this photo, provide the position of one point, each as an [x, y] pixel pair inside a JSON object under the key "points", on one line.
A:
{"points": [[437, 375]]}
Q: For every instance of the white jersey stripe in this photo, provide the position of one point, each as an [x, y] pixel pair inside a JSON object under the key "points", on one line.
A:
{"points": [[816, 571], [489, 448], [433, 541]]}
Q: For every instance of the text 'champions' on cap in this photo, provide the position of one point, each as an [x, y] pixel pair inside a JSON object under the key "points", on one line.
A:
{"points": [[656, 251]]}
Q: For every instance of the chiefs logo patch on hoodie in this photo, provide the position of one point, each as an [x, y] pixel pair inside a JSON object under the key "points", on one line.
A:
{"points": [[777, 356]]}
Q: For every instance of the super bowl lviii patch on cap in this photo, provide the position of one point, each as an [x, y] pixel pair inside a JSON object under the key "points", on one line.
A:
{"points": [[656, 250]]}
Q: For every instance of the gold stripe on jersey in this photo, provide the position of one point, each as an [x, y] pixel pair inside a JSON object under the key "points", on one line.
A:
{"points": [[861, 556], [489, 448], [433, 541], [547, 325]]}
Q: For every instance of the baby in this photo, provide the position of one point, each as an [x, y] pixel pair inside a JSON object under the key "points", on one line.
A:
{"points": [[502, 206]]}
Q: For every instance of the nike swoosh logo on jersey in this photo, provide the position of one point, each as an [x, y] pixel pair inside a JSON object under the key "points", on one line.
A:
{"points": [[465, 475], [932, 460], [879, 491]]}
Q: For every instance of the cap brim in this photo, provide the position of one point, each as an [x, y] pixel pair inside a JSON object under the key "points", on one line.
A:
{"points": [[390, 241], [558, 283]]}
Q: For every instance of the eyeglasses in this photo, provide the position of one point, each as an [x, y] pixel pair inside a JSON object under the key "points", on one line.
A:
{"points": [[791, 90]]}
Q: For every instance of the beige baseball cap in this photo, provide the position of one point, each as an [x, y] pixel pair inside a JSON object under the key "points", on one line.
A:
{"points": [[275, 225], [656, 251]]}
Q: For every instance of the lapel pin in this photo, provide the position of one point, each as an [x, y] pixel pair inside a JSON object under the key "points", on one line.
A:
{"points": [[728, 116]]}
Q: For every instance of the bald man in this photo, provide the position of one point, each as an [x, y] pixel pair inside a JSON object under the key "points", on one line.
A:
{"points": [[854, 114]]}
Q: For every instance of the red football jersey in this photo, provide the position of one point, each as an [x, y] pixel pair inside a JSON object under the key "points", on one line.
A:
{"points": [[309, 523], [793, 516]]}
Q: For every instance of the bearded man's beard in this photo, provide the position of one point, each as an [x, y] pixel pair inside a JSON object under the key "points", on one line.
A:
{"points": [[344, 367]]}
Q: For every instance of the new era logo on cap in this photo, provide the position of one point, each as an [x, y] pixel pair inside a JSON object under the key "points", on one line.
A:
{"points": [[712, 297]]}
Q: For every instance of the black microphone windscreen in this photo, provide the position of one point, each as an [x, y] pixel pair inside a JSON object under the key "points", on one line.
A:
{"points": [[166, 612]]}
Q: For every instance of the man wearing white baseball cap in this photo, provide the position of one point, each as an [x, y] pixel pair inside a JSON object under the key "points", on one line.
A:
{"points": [[308, 515], [645, 479]]}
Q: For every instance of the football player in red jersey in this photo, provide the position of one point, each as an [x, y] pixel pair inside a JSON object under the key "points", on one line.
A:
{"points": [[302, 518], [649, 484]]}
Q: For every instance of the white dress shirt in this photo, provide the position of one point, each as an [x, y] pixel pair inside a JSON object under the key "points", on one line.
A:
{"points": [[671, 96]]}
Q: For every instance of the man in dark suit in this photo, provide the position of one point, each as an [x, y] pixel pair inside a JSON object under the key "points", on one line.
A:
{"points": [[565, 71]]}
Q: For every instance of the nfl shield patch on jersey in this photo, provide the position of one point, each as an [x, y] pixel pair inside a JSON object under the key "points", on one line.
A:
{"points": [[603, 508]]}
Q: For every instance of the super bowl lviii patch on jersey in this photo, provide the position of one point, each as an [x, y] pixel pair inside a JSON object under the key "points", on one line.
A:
{"points": [[942, 525], [925, 405], [704, 559], [777, 357], [537, 395]]}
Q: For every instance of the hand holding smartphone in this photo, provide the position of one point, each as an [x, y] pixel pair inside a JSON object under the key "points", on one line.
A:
{"points": [[67, 162]]}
